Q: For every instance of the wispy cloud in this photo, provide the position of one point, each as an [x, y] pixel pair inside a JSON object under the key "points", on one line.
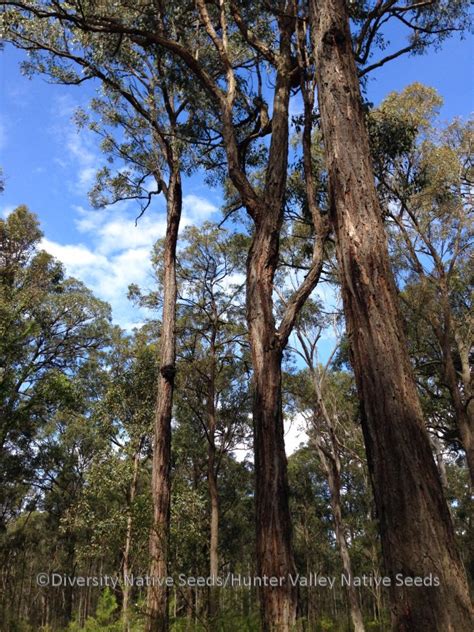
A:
{"points": [[115, 252]]}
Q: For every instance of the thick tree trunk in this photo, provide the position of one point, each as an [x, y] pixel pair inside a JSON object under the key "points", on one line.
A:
{"points": [[274, 551], [157, 597], [415, 526]]}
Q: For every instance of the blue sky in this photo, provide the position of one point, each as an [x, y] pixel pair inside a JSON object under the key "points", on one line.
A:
{"points": [[49, 166]]}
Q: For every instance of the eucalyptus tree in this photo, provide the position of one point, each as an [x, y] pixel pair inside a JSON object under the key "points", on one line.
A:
{"points": [[426, 192], [139, 113], [213, 357], [417, 534], [51, 331], [236, 40], [125, 417], [225, 48], [50, 324], [323, 399]]}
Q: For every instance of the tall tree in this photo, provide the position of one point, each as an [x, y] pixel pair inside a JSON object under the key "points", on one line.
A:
{"points": [[51, 330], [139, 116], [416, 530], [326, 417], [226, 35], [213, 353], [428, 203]]}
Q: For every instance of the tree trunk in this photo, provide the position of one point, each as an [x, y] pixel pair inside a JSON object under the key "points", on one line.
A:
{"points": [[415, 526], [274, 551], [214, 536], [464, 416], [128, 542], [157, 596], [332, 468], [212, 471], [463, 407], [329, 456]]}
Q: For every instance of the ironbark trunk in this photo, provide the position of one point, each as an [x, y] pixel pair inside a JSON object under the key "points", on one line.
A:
{"points": [[416, 531], [278, 604], [274, 549]]}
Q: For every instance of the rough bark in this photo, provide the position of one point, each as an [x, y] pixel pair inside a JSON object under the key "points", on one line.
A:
{"points": [[278, 605], [416, 531], [157, 596], [265, 207]]}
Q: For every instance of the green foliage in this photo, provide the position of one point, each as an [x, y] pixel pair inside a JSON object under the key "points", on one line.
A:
{"points": [[76, 420]]}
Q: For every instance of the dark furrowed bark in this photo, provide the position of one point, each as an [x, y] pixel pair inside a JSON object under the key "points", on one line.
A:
{"points": [[415, 525], [274, 550]]}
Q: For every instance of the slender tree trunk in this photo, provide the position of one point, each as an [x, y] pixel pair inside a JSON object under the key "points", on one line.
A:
{"points": [[329, 456], [415, 526], [212, 471], [464, 414], [463, 406], [438, 452], [332, 468], [214, 536], [157, 596], [274, 551], [128, 542]]}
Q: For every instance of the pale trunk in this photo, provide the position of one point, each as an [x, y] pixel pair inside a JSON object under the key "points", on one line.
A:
{"points": [[329, 456], [463, 406], [332, 469], [128, 544]]}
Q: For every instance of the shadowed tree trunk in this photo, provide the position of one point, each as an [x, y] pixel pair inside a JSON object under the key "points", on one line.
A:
{"points": [[274, 551], [157, 597], [415, 526]]}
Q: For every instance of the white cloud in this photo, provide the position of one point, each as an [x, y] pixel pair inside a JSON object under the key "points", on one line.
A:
{"points": [[197, 208], [295, 433], [121, 233], [115, 252], [6, 210], [74, 256], [81, 152]]}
